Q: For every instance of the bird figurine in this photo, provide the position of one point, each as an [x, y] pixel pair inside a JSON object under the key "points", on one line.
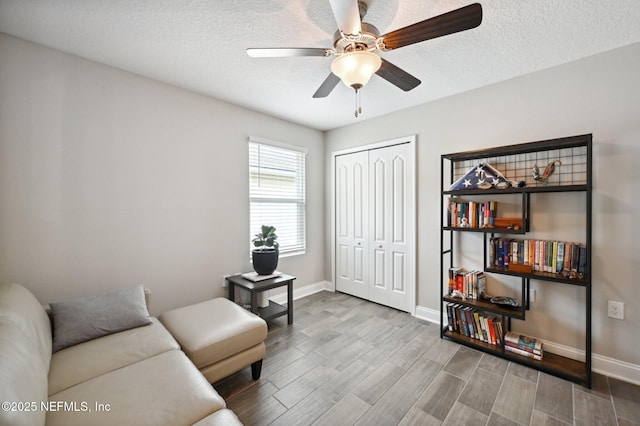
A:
{"points": [[548, 171]]}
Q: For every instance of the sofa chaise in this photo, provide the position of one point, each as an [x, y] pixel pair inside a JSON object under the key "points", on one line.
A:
{"points": [[139, 376]]}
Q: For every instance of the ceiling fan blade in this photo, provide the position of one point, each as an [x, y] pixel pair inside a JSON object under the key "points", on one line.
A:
{"points": [[455, 21], [397, 76], [327, 86], [347, 15], [279, 52]]}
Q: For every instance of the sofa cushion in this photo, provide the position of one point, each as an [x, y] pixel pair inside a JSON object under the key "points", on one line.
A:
{"points": [[90, 359], [78, 320], [166, 389], [20, 307], [213, 330], [226, 367]]}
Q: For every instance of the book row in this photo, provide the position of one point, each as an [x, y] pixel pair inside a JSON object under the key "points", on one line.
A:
{"points": [[559, 257], [471, 214], [470, 285], [475, 324]]}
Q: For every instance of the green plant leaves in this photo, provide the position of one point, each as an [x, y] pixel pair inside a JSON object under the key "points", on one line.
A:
{"points": [[267, 238]]}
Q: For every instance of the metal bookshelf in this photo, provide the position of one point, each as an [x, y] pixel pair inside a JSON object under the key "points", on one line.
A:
{"points": [[516, 162]]}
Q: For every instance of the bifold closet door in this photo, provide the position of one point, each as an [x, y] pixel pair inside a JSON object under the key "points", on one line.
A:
{"points": [[390, 225], [352, 182], [374, 225]]}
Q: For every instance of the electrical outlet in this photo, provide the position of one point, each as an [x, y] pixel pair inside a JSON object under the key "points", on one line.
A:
{"points": [[224, 281], [615, 310], [532, 295]]}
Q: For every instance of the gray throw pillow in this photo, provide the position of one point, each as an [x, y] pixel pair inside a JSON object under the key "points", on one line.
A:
{"points": [[78, 320]]}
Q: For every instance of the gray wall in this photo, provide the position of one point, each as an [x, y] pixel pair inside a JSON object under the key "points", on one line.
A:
{"points": [[599, 95], [108, 179]]}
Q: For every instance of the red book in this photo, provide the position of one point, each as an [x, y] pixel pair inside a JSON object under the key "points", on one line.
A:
{"points": [[459, 285], [492, 331]]}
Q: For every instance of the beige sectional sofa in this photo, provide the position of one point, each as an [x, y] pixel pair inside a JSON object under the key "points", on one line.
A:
{"points": [[134, 377]]}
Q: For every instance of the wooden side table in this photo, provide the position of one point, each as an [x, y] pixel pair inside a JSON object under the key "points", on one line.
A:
{"points": [[274, 309]]}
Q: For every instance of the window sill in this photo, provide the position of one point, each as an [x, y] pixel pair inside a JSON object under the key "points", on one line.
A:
{"points": [[293, 253]]}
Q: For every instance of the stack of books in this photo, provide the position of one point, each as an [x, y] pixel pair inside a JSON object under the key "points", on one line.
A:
{"points": [[253, 276], [523, 345]]}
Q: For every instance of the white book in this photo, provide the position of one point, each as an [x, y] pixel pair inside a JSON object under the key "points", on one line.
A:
{"points": [[253, 276]]}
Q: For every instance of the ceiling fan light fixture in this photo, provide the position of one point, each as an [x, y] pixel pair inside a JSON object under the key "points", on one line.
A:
{"points": [[356, 68]]}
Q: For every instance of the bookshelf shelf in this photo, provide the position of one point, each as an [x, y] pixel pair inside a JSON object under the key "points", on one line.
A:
{"points": [[551, 363], [545, 276], [485, 230], [573, 155], [487, 307], [468, 341], [535, 189]]}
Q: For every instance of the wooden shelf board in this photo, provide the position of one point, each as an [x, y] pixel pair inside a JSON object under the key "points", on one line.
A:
{"points": [[488, 307], [546, 276], [528, 189], [461, 338], [557, 365], [274, 310], [486, 230]]}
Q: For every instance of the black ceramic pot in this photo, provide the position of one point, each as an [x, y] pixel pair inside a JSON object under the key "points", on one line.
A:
{"points": [[265, 261]]}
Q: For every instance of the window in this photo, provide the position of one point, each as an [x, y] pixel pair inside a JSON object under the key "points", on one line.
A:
{"points": [[277, 192]]}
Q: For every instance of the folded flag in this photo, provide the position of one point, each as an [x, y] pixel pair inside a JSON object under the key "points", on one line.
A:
{"points": [[482, 176]]}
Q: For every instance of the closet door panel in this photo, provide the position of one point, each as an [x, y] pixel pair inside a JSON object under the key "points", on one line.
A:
{"points": [[399, 216], [379, 270], [401, 227], [380, 217], [390, 188], [398, 273], [359, 262], [377, 194], [351, 224]]}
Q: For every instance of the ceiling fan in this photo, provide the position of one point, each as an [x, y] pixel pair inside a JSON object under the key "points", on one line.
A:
{"points": [[356, 44]]}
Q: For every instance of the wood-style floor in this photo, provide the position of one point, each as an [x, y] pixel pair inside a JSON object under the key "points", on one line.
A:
{"points": [[346, 361]]}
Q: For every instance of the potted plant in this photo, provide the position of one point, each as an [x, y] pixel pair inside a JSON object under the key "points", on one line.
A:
{"points": [[265, 255]]}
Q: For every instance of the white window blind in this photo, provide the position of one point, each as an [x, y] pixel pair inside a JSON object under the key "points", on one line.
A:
{"points": [[277, 193]]}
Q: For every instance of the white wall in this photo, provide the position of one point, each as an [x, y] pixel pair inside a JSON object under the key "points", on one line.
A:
{"points": [[108, 179], [599, 95]]}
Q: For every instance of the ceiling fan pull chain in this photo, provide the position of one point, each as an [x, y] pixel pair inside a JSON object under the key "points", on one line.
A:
{"points": [[358, 103]]}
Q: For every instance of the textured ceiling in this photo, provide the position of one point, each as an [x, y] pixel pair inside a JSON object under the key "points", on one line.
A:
{"points": [[200, 45]]}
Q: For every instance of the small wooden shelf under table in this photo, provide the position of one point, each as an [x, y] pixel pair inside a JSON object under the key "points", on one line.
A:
{"points": [[273, 310]]}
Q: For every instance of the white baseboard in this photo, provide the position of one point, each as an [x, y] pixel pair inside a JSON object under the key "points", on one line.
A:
{"points": [[428, 314], [599, 363], [301, 292]]}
